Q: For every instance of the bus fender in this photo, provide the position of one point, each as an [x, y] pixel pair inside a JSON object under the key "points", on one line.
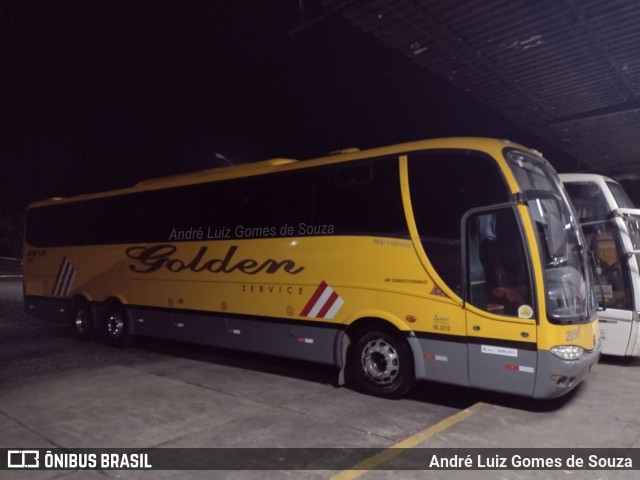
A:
{"points": [[344, 347], [114, 297], [418, 357], [414, 345]]}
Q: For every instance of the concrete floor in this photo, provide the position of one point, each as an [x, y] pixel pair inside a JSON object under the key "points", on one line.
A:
{"points": [[59, 392]]}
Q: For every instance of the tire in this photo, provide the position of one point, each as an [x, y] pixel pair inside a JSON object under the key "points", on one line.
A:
{"points": [[82, 320], [381, 364], [116, 326]]}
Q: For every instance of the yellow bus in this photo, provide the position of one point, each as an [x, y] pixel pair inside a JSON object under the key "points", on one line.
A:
{"points": [[453, 260]]}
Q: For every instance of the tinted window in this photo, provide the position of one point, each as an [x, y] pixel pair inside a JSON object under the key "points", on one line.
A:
{"points": [[360, 198], [162, 214], [109, 219], [273, 201], [444, 186], [498, 278]]}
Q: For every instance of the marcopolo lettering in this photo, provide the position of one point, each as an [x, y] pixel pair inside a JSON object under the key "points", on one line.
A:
{"points": [[152, 259]]}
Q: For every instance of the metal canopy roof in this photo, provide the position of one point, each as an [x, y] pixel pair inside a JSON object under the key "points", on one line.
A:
{"points": [[566, 70]]}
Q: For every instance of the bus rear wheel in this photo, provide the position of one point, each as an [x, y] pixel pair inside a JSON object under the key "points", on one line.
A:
{"points": [[381, 364], [82, 320], [116, 326]]}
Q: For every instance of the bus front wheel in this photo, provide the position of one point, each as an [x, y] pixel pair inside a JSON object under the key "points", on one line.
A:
{"points": [[116, 326], [381, 364]]}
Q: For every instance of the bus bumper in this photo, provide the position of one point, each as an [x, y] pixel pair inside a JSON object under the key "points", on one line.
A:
{"points": [[557, 377]]}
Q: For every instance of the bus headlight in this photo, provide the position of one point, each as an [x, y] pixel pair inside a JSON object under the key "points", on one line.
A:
{"points": [[568, 352]]}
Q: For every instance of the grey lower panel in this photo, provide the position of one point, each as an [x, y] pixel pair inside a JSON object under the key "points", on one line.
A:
{"points": [[484, 366], [303, 342], [48, 308], [502, 369], [440, 361]]}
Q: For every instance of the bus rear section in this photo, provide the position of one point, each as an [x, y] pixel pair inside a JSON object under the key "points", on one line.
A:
{"points": [[611, 225], [451, 260]]}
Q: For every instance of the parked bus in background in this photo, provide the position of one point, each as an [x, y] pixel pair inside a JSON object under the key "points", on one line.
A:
{"points": [[454, 260], [612, 228], [631, 184]]}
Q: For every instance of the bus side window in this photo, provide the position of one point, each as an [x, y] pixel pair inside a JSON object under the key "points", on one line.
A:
{"points": [[498, 277], [360, 199]]}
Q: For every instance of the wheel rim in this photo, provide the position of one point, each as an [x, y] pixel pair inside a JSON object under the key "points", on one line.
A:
{"points": [[81, 322], [380, 361], [115, 325]]}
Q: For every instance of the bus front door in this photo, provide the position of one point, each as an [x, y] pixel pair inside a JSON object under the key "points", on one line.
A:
{"points": [[618, 285], [500, 314]]}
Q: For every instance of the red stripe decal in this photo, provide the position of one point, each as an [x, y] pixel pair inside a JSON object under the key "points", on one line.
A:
{"points": [[314, 298], [327, 305]]}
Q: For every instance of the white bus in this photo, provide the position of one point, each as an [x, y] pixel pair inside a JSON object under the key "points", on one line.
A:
{"points": [[612, 227]]}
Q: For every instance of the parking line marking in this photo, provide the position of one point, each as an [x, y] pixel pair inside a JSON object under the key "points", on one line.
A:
{"points": [[410, 442]]}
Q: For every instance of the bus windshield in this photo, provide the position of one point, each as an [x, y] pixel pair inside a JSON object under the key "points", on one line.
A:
{"points": [[569, 297], [622, 199]]}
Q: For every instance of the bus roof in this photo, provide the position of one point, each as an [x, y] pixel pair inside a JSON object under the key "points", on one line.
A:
{"points": [[268, 166], [585, 177], [249, 167]]}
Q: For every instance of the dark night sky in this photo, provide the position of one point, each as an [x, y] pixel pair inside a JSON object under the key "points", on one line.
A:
{"points": [[99, 94]]}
